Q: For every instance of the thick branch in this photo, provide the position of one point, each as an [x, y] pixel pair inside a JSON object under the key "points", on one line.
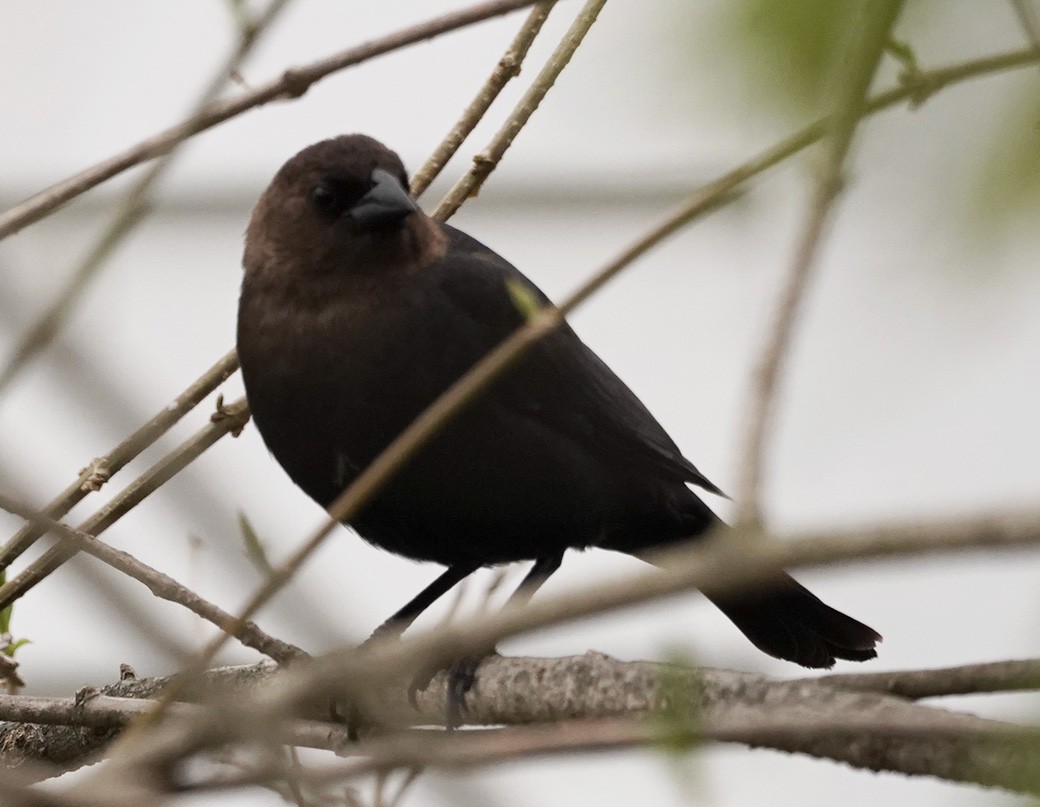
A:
{"points": [[607, 697]]}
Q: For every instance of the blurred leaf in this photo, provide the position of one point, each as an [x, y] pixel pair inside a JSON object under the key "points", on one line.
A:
{"points": [[524, 297], [677, 723], [11, 648], [255, 549], [786, 47], [1008, 182], [680, 714]]}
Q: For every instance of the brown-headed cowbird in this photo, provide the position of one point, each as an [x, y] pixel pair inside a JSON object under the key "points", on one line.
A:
{"points": [[358, 310]]}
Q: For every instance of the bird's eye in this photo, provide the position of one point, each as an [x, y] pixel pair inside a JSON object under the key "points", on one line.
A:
{"points": [[324, 199]]}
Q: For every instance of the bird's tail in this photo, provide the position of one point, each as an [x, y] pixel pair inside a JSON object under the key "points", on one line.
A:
{"points": [[787, 621], [781, 617]]}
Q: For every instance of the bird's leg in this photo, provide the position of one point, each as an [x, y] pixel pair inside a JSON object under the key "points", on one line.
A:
{"points": [[462, 674], [398, 624], [544, 568], [406, 615]]}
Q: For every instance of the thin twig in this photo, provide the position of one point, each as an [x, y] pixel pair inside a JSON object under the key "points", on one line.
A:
{"points": [[101, 469], [134, 207], [160, 584], [508, 68], [231, 418], [870, 32], [292, 83], [486, 161]]}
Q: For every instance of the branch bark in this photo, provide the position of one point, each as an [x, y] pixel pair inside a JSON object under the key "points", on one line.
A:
{"points": [[580, 703]]}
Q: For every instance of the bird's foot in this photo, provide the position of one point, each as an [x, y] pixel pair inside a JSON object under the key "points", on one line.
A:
{"points": [[461, 675], [348, 711]]}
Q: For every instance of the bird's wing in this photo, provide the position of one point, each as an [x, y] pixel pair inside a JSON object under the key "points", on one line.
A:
{"points": [[561, 382]]}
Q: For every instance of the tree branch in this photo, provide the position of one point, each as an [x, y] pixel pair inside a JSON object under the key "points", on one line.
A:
{"points": [[973, 679], [581, 703]]}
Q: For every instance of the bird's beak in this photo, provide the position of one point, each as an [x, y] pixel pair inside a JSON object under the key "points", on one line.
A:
{"points": [[387, 202]]}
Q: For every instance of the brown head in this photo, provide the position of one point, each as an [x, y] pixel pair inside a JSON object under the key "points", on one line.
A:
{"points": [[341, 205]]}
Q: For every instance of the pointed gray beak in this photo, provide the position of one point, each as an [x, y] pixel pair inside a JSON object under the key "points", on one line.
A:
{"points": [[386, 203]]}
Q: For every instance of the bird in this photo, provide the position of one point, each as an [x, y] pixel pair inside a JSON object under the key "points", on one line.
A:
{"points": [[357, 310]]}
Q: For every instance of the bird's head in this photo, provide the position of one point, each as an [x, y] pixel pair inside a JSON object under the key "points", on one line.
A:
{"points": [[341, 205]]}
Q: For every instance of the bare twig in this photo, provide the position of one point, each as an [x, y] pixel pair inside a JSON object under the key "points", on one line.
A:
{"points": [[161, 585], [231, 418], [971, 679], [135, 205], [508, 68], [293, 83], [486, 161], [869, 35], [101, 469]]}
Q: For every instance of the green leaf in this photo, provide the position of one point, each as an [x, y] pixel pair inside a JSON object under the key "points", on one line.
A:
{"points": [[13, 647], [8, 612], [524, 297], [786, 48], [679, 718], [1008, 177]]}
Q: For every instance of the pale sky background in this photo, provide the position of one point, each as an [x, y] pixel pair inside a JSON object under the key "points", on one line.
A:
{"points": [[912, 391]]}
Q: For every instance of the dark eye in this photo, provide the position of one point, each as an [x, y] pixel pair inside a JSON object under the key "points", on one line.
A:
{"points": [[326, 199]]}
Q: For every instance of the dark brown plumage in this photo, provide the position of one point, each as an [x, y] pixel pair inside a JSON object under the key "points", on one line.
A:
{"points": [[358, 310]]}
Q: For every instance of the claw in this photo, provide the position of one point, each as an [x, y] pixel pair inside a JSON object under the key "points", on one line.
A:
{"points": [[462, 676]]}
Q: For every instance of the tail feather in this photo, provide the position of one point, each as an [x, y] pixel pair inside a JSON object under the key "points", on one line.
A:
{"points": [[787, 621], [781, 618]]}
